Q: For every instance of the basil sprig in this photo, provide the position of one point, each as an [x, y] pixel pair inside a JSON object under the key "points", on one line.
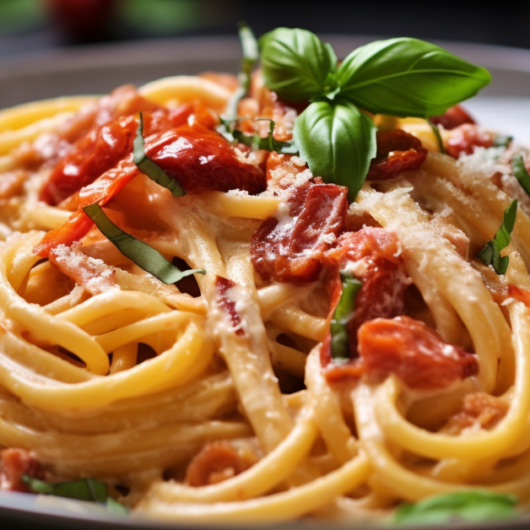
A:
{"points": [[149, 168], [399, 77], [249, 45], [141, 253], [491, 253], [84, 490], [343, 314], [520, 172], [227, 127], [472, 506]]}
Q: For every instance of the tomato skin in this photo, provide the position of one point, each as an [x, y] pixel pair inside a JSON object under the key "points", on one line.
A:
{"points": [[93, 155], [375, 252], [201, 160], [226, 304], [293, 251], [14, 464], [216, 462], [523, 295], [181, 141], [397, 151], [414, 352], [453, 118], [465, 138], [383, 278], [105, 146]]}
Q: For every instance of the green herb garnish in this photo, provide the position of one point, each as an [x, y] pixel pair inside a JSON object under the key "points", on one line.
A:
{"points": [[84, 490], [436, 131], [408, 78], [297, 65], [149, 168], [227, 127], [255, 141], [337, 140], [249, 44], [472, 506], [520, 172], [491, 253], [343, 314], [398, 77], [502, 140], [143, 255]]}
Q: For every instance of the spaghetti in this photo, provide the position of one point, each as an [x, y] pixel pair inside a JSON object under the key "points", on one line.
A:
{"points": [[219, 398]]}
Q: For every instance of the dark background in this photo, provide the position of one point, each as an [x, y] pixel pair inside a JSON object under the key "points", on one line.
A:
{"points": [[30, 25]]}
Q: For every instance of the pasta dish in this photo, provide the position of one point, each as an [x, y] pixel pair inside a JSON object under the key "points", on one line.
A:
{"points": [[302, 291]]}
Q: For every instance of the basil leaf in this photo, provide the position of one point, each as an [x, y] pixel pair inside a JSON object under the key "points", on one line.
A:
{"points": [[338, 142], [143, 255], [296, 64], [343, 313], [491, 253], [520, 172], [37, 486], [473, 506], [149, 168], [249, 45], [86, 489], [408, 77]]}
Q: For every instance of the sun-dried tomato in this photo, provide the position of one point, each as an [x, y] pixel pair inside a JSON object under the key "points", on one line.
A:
{"points": [[197, 157], [397, 151], [227, 304], [453, 118], [216, 462], [523, 295], [290, 248], [465, 138], [414, 352], [373, 255], [14, 463]]}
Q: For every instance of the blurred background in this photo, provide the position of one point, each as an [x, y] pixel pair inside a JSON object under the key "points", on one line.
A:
{"points": [[27, 25], [51, 48]]}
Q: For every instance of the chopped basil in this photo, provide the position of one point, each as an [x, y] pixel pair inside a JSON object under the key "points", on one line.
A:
{"points": [[227, 127], [116, 508], [520, 172], [436, 132], [149, 168], [472, 506], [502, 140], [267, 143], [143, 255], [342, 316], [398, 77], [491, 253], [249, 45], [84, 490]]}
